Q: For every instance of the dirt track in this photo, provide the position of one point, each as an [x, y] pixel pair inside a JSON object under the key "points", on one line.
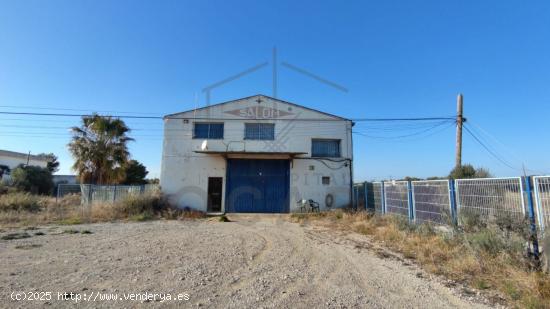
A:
{"points": [[257, 261]]}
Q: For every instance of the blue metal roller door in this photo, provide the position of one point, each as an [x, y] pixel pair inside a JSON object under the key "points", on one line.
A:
{"points": [[260, 186]]}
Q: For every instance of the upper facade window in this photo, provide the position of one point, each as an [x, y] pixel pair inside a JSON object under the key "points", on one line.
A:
{"points": [[208, 130], [259, 131], [328, 148]]}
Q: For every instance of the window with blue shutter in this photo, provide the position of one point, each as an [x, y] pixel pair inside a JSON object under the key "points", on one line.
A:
{"points": [[329, 148], [259, 131], [208, 130]]}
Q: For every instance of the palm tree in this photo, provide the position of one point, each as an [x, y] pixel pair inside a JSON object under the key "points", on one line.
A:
{"points": [[99, 149]]}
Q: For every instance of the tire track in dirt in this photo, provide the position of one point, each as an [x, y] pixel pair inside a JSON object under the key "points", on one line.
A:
{"points": [[255, 261]]}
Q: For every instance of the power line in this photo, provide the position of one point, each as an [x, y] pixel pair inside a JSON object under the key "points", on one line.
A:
{"points": [[72, 109], [210, 118], [489, 150], [393, 126], [506, 148], [432, 127], [79, 115], [402, 119], [420, 134]]}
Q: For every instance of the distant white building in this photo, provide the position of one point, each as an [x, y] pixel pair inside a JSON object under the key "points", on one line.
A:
{"points": [[256, 154], [65, 179], [12, 159]]}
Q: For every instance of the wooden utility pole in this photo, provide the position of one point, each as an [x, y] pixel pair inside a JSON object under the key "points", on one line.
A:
{"points": [[459, 121]]}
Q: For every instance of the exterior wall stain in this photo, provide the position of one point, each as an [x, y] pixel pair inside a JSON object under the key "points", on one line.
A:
{"points": [[185, 172]]}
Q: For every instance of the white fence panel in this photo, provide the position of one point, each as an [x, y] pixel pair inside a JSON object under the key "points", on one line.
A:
{"points": [[432, 201], [112, 193], [490, 197], [397, 197], [542, 198], [66, 189]]}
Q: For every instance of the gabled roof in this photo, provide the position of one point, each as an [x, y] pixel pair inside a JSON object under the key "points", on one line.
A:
{"points": [[253, 96]]}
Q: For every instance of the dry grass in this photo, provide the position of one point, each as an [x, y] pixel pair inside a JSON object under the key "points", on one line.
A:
{"points": [[19, 201], [68, 210], [486, 258]]}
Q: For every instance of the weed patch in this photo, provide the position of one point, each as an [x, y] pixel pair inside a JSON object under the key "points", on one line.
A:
{"points": [[482, 255], [19, 201], [16, 212], [28, 246], [13, 236], [224, 219], [70, 221]]}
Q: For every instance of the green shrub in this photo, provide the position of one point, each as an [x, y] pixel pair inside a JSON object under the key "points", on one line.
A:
{"points": [[34, 179], [3, 188], [144, 216], [426, 229], [19, 201], [404, 224], [468, 171], [471, 221], [509, 224], [492, 241]]}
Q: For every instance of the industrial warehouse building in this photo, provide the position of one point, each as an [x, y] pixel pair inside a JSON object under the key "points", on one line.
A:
{"points": [[256, 155]]}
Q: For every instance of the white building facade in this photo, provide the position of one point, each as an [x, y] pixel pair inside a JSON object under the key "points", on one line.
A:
{"points": [[256, 154], [9, 160]]}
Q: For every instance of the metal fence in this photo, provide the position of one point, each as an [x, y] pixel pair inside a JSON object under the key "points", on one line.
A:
{"points": [[521, 201], [396, 196], [375, 199], [542, 194], [451, 201], [359, 195], [491, 197], [66, 189], [432, 201], [92, 194]]}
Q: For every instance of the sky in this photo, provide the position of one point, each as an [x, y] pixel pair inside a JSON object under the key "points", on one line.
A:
{"points": [[397, 59]]}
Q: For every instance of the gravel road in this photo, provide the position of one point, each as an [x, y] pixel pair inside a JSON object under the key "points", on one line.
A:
{"points": [[253, 262]]}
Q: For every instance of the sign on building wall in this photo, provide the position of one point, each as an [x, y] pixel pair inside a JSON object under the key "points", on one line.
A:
{"points": [[259, 112]]}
